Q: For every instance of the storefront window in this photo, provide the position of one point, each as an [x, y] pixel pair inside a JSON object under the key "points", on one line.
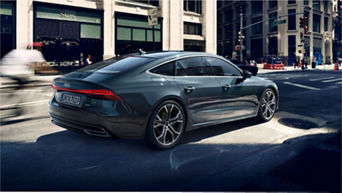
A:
{"points": [[68, 35], [273, 46], [7, 25], [134, 33], [90, 31]]}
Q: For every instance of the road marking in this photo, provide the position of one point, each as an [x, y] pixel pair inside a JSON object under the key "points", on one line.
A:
{"points": [[301, 86], [332, 80], [27, 103], [317, 79]]}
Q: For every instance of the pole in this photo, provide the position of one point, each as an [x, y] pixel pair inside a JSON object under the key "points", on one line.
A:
{"points": [[154, 43], [241, 41]]}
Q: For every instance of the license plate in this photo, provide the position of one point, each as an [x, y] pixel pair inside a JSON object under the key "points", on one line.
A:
{"points": [[71, 99]]}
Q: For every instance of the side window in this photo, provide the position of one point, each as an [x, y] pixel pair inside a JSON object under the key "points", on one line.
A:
{"points": [[220, 67], [194, 66], [166, 69]]}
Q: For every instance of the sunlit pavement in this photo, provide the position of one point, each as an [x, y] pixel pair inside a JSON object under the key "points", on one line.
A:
{"points": [[298, 150]]}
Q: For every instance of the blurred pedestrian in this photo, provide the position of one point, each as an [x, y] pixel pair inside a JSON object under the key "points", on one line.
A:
{"points": [[304, 64], [313, 62], [88, 60], [296, 63]]}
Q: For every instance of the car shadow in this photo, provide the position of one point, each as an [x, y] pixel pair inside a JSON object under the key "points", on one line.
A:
{"points": [[207, 132]]}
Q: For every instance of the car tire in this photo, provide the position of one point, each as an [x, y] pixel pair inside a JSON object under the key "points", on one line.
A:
{"points": [[268, 105], [166, 125]]}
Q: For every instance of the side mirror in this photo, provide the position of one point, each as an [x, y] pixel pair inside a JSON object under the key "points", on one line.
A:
{"points": [[246, 74]]}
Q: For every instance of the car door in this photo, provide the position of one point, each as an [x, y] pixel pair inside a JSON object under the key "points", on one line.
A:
{"points": [[238, 96], [200, 91]]}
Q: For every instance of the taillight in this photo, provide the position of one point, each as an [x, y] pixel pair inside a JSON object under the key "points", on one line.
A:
{"points": [[95, 93]]}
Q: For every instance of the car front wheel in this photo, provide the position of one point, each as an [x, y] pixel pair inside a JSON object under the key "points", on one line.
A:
{"points": [[268, 105]]}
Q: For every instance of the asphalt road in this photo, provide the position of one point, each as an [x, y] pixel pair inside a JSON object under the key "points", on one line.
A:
{"points": [[238, 156]]}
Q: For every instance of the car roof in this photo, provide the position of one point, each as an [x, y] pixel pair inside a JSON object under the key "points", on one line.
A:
{"points": [[171, 54]]}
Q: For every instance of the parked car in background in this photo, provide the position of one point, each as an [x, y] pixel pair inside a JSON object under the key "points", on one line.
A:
{"points": [[251, 68], [159, 96]]}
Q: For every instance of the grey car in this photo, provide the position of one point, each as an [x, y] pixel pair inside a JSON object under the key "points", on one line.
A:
{"points": [[159, 96]]}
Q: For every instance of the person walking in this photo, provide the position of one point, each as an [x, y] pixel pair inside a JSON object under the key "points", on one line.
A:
{"points": [[313, 63], [295, 62], [304, 64], [88, 60]]}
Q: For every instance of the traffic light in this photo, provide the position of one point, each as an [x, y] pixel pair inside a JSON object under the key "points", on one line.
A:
{"points": [[240, 36], [303, 21], [301, 35], [305, 29]]}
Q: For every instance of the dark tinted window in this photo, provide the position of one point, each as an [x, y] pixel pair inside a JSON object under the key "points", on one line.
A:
{"points": [[114, 65], [194, 66], [220, 67], [166, 69]]}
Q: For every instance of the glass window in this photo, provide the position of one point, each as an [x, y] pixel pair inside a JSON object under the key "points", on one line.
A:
{"points": [[166, 69], [316, 23], [325, 6], [292, 19], [192, 28], [257, 29], [273, 46], [291, 1], [194, 66], [139, 34], [123, 33], [220, 67], [316, 4], [193, 6], [114, 65], [292, 44], [272, 4], [90, 31], [326, 23], [150, 2], [256, 7], [306, 2], [272, 27]]}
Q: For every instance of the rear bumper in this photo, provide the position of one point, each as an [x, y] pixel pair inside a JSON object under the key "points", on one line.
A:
{"points": [[104, 125]]}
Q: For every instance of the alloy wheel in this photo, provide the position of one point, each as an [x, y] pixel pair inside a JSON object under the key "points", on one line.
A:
{"points": [[268, 105], [168, 124]]}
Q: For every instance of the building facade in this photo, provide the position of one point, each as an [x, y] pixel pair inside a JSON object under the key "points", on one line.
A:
{"points": [[276, 35], [67, 31], [337, 42]]}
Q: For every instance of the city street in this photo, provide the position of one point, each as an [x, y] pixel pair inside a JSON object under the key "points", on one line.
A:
{"points": [[298, 150]]}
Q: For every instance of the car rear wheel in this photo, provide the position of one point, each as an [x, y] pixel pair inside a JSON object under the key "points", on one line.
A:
{"points": [[268, 105], [166, 125]]}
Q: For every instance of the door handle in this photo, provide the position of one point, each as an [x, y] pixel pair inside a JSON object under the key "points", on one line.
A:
{"points": [[189, 89], [226, 86]]}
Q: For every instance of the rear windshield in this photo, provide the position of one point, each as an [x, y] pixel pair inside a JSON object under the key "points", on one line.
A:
{"points": [[116, 65]]}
